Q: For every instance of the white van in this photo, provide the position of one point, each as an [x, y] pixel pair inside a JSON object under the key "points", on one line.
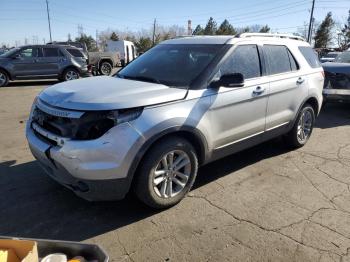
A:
{"points": [[126, 49]]}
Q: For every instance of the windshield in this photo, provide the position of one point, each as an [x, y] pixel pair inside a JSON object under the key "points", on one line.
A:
{"points": [[343, 57], [10, 52], [171, 64]]}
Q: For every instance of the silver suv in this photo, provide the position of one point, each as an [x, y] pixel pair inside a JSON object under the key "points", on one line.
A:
{"points": [[184, 103], [42, 62]]}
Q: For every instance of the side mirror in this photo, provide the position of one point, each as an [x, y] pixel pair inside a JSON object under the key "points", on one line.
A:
{"points": [[230, 80], [17, 56]]}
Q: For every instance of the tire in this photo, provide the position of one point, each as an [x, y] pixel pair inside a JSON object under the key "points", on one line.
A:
{"points": [[145, 186], [70, 74], [302, 129], [4, 78], [105, 68]]}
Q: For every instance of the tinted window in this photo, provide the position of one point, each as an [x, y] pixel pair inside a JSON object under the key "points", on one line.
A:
{"points": [[244, 60], [75, 52], [171, 64], [278, 59], [51, 52], [310, 56]]}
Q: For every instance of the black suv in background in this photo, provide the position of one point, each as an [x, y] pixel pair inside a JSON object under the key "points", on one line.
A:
{"points": [[43, 62]]}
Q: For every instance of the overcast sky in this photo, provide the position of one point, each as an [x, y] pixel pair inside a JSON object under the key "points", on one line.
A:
{"points": [[22, 19]]}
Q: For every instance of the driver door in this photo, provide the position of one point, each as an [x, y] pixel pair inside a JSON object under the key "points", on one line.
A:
{"points": [[238, 114], [24, 62]]}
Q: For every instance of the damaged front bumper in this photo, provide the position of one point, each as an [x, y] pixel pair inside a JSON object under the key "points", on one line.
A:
{"points": [[95, 170]]}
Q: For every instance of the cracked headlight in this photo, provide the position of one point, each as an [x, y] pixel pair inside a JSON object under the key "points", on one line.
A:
{"points": [[124, 115]]}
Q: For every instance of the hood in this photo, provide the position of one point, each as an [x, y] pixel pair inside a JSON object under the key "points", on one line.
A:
{"points": [[342, 68], [108, 93]]}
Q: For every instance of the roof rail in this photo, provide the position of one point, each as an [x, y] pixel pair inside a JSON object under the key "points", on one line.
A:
{"points": [[294, 37]]}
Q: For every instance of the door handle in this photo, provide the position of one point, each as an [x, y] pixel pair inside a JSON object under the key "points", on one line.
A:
{"points": [[258, 90], [300, 80]]}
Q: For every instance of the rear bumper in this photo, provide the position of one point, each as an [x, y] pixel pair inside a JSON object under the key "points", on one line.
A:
{"points": [[336, 94]]}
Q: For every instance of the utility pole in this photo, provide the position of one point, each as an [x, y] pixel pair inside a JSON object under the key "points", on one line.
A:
{"points": [[154, 31], [309, 35], [48, 18], [97, 39]]}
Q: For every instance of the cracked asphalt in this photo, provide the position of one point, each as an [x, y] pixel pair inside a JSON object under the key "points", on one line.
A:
{"points": [[263, 204]]}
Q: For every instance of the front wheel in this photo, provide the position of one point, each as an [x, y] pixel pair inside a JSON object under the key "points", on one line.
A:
{"points": [[4, 79], [166, 173], [105, 68], [302, 128]]}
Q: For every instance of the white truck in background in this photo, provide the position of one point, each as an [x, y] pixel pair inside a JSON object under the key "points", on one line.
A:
{"points": [[126, 49]]}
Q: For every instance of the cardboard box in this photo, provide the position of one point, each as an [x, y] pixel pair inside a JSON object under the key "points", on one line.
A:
{"points": [[25, 250]]}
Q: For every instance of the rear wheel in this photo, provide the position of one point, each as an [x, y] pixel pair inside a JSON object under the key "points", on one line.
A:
{"points": [[302, 128], [4, 79], [70, 74], [105, 68], [166, 173]]}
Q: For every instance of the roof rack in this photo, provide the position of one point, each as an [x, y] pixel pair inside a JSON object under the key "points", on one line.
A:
{"points": [[294, 37]]}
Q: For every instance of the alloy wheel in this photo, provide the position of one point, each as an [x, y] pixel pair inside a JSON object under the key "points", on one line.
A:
{"points": [[171, 174], [304, 126], [2, 78], [72, 75]]}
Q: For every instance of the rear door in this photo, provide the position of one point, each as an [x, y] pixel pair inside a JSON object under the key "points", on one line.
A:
{"points": [[238, 114], [50, 61], [287, 86]]}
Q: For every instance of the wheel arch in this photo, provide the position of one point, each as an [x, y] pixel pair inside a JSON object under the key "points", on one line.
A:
{"points": [[7, 72], [105, 60], [192, 135]]}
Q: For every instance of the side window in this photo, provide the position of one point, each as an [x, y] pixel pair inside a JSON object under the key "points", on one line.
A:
{"points": [[75, 52], [278, 58], [245, 60], [28, 52], [310, 56], [51, 52]]}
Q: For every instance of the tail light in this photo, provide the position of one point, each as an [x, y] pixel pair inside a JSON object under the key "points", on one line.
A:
{"points": [[323, 74]]}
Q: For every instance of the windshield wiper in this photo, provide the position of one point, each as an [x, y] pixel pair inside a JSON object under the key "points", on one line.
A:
{"points": [[142, 78]]}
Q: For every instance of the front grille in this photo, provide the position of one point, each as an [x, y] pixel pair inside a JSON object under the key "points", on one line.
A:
{"points": [[90, 125]]}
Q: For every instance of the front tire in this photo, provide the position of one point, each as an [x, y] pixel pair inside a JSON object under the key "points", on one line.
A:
{"points": [[167, 173], [105, 68], [302, 129], [4, 79]]}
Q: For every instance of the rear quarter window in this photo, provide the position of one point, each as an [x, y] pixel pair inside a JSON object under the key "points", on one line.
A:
{"points": [[310, 56], [75, 52]]}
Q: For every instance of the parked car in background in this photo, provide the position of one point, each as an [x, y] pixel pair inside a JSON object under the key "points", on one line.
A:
{"points": [[329, 57], [42, 62], [81, 46], [126, 49], [184, 103], [104, 62], [337, 82]]}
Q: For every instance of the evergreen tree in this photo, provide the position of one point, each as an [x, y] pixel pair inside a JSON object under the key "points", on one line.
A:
{"points": [[264, 29], [323, 35], [346, 33], [88, 40], [114, 37], [226, 29], [143, 44], [211, 27], [198, 31]]}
